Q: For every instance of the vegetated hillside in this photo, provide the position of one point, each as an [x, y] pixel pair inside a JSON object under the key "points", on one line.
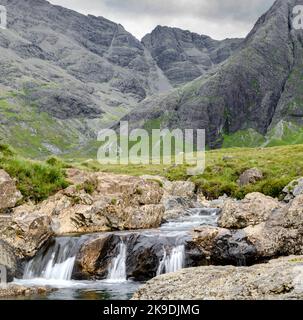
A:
{"points": [[64, 76]]}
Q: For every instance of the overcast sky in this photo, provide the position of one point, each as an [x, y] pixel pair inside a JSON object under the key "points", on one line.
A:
{"points": [[217, 18]]}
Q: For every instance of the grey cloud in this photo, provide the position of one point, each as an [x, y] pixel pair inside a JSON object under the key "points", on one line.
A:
{"points": [[241, 10], [216, 18]]}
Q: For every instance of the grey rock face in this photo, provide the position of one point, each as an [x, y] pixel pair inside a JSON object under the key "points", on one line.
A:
{"points": [[184, 56], [245, 92]]}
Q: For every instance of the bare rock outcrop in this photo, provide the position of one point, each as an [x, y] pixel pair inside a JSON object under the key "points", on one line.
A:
{"points": [[253, 209], [279, 279]]}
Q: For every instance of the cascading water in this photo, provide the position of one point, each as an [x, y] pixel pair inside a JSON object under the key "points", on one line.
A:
{"points": [[55, 262], [172, 262], [117, 271]]}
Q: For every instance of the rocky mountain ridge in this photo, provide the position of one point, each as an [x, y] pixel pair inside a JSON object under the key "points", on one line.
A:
{"points": [[251, 99], [65, 76]]}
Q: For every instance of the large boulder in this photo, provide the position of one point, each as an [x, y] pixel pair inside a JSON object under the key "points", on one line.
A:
{"points": [[278, 233], [253, 209], [9, 195], [281, 233], [278, 279], [178, 196], [95, 257], [184, 189], [144, 252], [220, 246], [27, 233], [250, 176]]}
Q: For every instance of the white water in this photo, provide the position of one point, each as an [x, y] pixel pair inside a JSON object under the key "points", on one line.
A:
{"points": [[172, 262], [192, 218], [117, 270], [59, 271], [57, 263]]}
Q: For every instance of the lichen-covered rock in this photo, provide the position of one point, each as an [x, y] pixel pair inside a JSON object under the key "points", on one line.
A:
{"points": [[101, 202], [278, 279], [27, 232], [293, 189], [176, 206], [253, 209], [178, 196], [9, 195]]}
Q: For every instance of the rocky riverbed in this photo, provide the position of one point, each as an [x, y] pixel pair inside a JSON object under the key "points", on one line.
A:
{"points": [[105, 234]]}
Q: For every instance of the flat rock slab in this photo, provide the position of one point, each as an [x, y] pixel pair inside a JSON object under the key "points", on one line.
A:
{"points": [[279, 279], [13, 290]]}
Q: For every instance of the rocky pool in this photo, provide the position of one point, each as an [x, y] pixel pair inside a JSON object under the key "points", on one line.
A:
{"points": [[113, 265]]}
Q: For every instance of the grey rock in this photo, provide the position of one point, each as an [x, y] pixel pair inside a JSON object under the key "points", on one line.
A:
{"points": [[250, 176], [280, 279], [293, 189], [8, 260], [254, 238], [253, 209], [9, 194]]}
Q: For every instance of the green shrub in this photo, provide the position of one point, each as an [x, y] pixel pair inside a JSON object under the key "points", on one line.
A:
{"points": [[89, 187], [36, 180]]}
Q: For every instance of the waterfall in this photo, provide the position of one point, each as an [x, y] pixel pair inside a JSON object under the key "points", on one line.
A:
{"points": [[55, 262], [172, 262], [117, 269]]}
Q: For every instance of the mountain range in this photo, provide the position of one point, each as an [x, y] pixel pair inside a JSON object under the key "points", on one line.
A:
{"points": [[64, 76]]}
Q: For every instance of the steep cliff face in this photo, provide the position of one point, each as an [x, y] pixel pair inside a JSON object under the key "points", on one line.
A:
{"points": [[184, 56], [255, 89]]}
